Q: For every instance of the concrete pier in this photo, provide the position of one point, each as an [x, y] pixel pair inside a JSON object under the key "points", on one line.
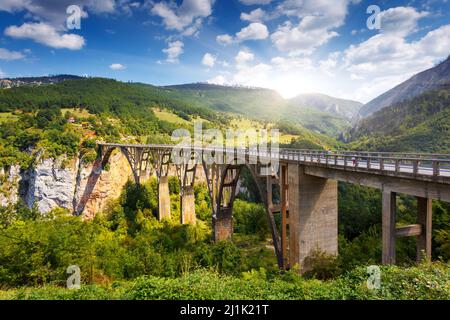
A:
{"points": [[313, 215], [187, 201], [163, 198], [389, 213], [223, 225], [424, 219]]}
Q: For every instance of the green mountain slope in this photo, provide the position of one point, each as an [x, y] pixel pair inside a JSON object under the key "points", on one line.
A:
{"points": [[319, 113], [254, 102], [341, 108], [420, 124], [97, 95], [319, 122]]}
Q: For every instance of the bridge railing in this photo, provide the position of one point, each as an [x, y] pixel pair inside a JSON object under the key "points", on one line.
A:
{"points": [[426, 165], [415, 164], [414, 155]]}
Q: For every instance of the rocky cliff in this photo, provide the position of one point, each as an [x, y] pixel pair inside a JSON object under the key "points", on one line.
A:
{"points": [[53, 183]]}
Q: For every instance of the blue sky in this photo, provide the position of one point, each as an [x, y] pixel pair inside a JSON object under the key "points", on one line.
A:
{"points": [[292, 46]]}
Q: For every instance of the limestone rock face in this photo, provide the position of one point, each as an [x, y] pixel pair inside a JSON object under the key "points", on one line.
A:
{"points": [[9, 185], [61, 183], [71, 184], [108, 186], [50, 184]]}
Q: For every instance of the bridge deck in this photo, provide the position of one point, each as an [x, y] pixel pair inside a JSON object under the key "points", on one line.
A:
{"points": [[417, 166]]}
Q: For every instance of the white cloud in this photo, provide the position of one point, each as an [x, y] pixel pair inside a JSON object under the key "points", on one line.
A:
{"points": [[117, 66], [330, 63], [296, 41], [209, 60], [253, 2], [389, 58], [184, 16], [400, 20], [2, 74], [317, 20], [243, 57], [194, 28], [173, 51], [219, 79], [46, 34], [436, 43], [257, 75], [224, 39], [254, 31], [101, 6], [54, 12], [256, 15], [360, 72], [283, 64], [5, 54], [389, 54]]}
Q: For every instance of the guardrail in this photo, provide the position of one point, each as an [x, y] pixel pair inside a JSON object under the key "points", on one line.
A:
{"points": [[426, 165], [410, 164]]}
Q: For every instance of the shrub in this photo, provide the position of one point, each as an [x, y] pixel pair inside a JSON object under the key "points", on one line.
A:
{"points": [[250, 218], [321, 265]]}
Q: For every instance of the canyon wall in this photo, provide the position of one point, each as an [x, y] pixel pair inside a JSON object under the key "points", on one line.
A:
{"points": [[69, 184], [53, 183]]}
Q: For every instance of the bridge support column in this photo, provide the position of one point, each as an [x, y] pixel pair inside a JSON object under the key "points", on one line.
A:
{"points": [[313, 215], [163, 198], [223, 224], [389, 208], [188, 206], [424, 218]]}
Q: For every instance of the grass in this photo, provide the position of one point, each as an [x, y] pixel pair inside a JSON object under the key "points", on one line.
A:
{"points": [[244, 124], [427, 281], [7, 116], [168, 116], [77, 112]]}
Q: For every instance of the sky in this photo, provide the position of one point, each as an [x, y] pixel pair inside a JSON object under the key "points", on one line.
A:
{"points": [[352, 49]]}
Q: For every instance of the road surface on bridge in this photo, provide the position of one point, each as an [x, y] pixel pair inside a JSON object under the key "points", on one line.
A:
{"points": [[420, 166]]}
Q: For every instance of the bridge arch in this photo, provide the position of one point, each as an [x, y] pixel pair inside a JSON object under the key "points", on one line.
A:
{"points": [[308, 188], [222, 216]]}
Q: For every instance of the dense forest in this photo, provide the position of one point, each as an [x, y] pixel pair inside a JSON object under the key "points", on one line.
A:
{"points": [[421, 124], [126, 253]]}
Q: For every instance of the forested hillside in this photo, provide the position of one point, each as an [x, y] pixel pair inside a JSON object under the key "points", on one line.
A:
{"points": [[419, 124], [323, 103], [258, 103], [96, 95], [320, 114], [67, 117]]}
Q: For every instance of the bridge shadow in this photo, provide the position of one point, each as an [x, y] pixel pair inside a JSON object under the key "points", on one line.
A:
{"points": [[90, 185]]}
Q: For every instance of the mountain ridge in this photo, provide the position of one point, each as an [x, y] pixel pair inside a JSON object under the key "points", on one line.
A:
{"points": [[320, 113], [6, 83], [416, 85]]}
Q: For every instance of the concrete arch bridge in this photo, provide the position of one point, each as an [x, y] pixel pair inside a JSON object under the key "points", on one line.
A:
{"points": [[306, 181]]}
